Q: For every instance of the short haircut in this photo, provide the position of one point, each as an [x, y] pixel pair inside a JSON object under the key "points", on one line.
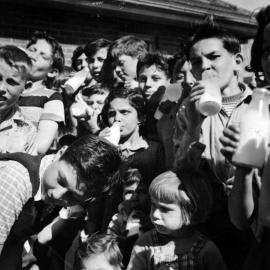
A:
{"points": [[96, 162], [157, 59], [129, 45], [97, 88], [134, 97], [16, 58], [263, 18], [188, 189], [57, 51], [76, 54], [209, 29], [131, 176], [105, 244], [93, 47]]}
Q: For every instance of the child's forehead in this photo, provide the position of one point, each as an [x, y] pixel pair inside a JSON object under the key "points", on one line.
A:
{"points": [[96, 262], [13, 69], [151, 69]]}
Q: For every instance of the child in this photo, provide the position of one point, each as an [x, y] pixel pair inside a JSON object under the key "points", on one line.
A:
{"points": [[99, 252], [178, 205], [125, 52], [79, 60], [16, 133], [92, 101], [38, 103]]}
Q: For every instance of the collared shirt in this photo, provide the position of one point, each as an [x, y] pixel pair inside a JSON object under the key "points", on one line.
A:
{"points": [[133, 145], [40, 103], [15, 190], [18, 134]]}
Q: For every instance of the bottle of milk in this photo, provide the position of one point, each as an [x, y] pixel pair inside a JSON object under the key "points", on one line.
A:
{"points": [[254, 131]]}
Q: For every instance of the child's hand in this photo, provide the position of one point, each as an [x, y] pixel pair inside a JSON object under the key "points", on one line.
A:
{"points": [[229, 141], [106, 132], [131, 84]]}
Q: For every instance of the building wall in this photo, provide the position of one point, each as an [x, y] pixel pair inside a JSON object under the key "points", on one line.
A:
{"points": [[75, 27]]}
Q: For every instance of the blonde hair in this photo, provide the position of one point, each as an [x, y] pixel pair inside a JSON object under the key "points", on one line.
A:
{"points": [[189, 189]]}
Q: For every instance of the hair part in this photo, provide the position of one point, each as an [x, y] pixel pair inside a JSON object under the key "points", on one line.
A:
{"points": [[102, 244], [57, 51], [17, 59]]}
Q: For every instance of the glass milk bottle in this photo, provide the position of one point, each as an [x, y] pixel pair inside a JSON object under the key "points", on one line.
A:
{"points": [[254, 131]]}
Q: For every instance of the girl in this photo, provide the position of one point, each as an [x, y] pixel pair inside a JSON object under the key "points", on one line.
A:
{"points": [[178, 205]]}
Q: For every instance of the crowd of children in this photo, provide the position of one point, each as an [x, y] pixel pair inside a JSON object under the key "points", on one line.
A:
{"points": [[110, 164]]}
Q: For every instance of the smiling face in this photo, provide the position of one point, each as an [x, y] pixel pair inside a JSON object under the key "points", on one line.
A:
{"points": [[12, 83], [60, 185], [125, 67], [151, 78], [166, 217], [121, 111], [42, 59], [210, 56], [265, 61], [96, 62]]}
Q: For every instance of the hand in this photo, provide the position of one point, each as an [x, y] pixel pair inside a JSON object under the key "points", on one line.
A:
{"points": [[229, 186], [229, 141], [131, 84], [106, 132]]}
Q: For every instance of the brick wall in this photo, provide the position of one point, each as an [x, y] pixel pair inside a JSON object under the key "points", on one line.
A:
{"points": [[73, 27]]}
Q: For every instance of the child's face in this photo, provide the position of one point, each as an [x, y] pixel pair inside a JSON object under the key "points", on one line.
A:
{"points": [[266, 52], [60, 185], [129, 191], [151, 78], [96, 262], [126, 67], [81, 62], [12, 83], [96, 62], [42, 59], [121, 111], [211, 56], [96, 101], [166, 217]]}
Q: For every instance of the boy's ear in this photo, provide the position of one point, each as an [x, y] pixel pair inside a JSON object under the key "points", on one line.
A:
{"points": [[53, 73], [238, 61]]}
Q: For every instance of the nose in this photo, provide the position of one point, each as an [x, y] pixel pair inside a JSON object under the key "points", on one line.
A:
{"points": [[2, 88], [205, 64], [118, 69], [189, 79], [84, 63], [155, 214], [117, 117]]}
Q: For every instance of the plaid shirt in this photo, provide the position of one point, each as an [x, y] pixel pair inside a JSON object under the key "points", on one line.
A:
{"points": [[15, 190]]}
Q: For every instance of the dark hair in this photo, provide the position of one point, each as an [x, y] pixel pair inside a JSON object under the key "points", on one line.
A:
{"points": [[131, 176], [96, 162], [16, 58], [95, 89], [102, 244], [176, 63], [134, 97], [92, 47], [76, 54], [129, 45], [57, 51], [263, 18], [209, 29], [158, 59]]}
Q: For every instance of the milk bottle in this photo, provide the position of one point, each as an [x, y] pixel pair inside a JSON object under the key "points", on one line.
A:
{"points": [[254, 131], [114, 136]]}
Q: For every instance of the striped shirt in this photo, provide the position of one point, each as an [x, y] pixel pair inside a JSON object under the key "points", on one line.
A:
{"points": [[40, 103], [229, 103]]}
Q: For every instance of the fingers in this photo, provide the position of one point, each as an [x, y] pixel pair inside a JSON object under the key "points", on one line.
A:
{"points": [[196, 92]]}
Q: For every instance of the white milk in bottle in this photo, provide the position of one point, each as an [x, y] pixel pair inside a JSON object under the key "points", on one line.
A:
{"points": [[254, 131]]}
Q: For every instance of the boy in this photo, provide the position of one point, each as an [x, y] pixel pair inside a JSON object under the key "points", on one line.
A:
{"points": [[85, 172], [39, 104], [100, 251], [196, 139], [16, 133], [126, 51]]}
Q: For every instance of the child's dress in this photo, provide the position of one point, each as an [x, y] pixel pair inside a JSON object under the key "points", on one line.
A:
{"points": [[154, 251]]}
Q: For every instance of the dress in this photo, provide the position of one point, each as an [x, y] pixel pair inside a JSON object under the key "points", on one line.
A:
{"points": [[160, 252]]}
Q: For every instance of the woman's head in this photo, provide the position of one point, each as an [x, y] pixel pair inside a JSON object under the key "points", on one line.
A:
{"points": [[179, 200], [127, 107], [260, 51]]}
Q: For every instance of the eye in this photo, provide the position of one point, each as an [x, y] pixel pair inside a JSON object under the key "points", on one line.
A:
{"points": [[12, 82], [196, 62], [142, 79], [214, 56], [111, 113], [101, 59], [124, 112], [62, 181], [156, 78]]}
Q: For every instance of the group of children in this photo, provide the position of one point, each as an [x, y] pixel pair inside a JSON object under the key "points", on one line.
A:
{"points": [[165, 194]]}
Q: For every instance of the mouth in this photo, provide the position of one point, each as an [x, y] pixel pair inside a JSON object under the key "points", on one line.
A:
{"points": [[2, 98]]}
